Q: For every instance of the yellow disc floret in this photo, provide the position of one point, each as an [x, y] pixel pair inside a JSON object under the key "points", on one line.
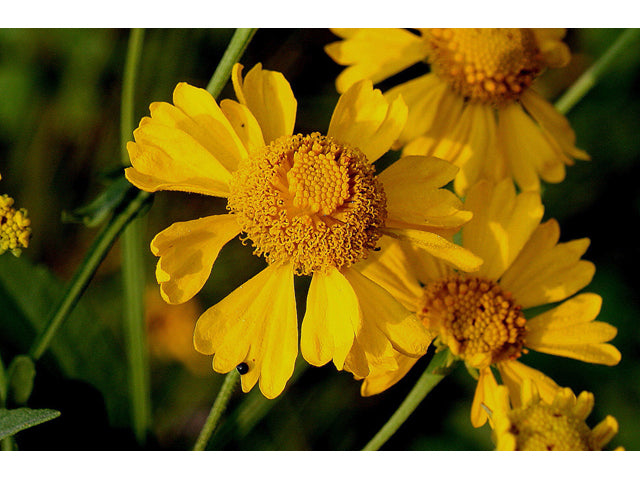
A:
{"points": [[475, 318], [491, 65], [559, 425], [309, 200], [15, 230]]}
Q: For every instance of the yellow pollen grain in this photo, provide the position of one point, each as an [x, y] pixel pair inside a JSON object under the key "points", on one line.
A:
{"points": [[15, 227], [309, 200], [491, 65], [547, 427], [477, 319]]}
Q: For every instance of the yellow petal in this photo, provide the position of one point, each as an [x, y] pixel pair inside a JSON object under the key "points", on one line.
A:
{"points": [[546, 272], [381, 379], [556, 54], [529, 154], [330, 321], [553, 122], [270, 99], [374, 53], [423, 96], [187, 251], [255, 324], [411, 185], [437, 246], [154, 170], [486, 394], [514, 374], [391, 269], [381, 313], [568, 330], [604, 432], [501, 225], [364, 119], [244, 123]]}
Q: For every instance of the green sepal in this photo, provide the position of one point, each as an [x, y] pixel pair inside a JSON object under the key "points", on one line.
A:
{"points": [[101, 207], [21, 373]]}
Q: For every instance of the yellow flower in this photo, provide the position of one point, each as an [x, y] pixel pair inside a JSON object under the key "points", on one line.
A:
{"points": [[543, 425], [15, 227], [480, 317], [475, 108], [170, 332], [311, 205]]}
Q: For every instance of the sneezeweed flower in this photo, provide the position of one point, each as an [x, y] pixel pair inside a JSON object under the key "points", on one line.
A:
{"points": [[541, 425], [15, 227], [476, 107], [481, 317], [170, 332], [310, 205]]}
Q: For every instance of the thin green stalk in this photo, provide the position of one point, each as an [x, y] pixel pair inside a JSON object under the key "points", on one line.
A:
{"points": [[439, 367], [219, 406], [98, 250], [235, 49], [591, 76], [133, 275]]}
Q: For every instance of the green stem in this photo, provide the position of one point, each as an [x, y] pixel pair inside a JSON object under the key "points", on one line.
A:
{"points": [[133, 274], [590, 77], [235, 49], [439, 367], [219, 406], [99, 249]]}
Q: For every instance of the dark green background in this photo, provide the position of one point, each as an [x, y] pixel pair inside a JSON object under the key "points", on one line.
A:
{"points": [[59, 141]]}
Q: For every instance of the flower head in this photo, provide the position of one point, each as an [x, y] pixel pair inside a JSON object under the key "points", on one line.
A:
{"points": [[15, 227], [310, 205], [548, 425], [475, 108], [482, 316]]}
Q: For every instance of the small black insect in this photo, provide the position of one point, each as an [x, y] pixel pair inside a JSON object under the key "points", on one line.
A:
{"points": [[377, 249], [242, 368]]}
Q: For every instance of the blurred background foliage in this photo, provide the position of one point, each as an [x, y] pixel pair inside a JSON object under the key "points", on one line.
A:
{"points": [[59, 148]]}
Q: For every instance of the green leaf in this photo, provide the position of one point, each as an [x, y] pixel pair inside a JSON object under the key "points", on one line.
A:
{"points": [[101, 207], [84, 348], [22, 371], [16, 420]]}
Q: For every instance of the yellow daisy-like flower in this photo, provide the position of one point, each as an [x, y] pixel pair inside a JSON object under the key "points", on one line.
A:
{"points": [[541, 425], [311, 205], [475, 108], [480, 317]]}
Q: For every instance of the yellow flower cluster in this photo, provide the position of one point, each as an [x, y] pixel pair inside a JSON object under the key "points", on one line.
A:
{"points": [[15, 227], [387, 279]]}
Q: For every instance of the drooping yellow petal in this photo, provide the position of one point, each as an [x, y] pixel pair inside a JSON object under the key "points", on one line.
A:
{"points": [[244, 123], [568, 330], [187, 251], [486, 396], [269, 97], [155, 170], [331, 320], [501, 225], [528, 152], [437, 246], [363, 118], [514, 374], [412, 187], [374, 53], [391, 269], [553, 122], [380, 379], [255, 324], [422, 96], [546, 272], [381, 313]]}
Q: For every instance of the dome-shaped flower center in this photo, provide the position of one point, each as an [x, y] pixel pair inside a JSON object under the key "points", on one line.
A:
{"points": [[475, 318], [486, 64], [15, 230], [309, 200], [547, 427]]}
